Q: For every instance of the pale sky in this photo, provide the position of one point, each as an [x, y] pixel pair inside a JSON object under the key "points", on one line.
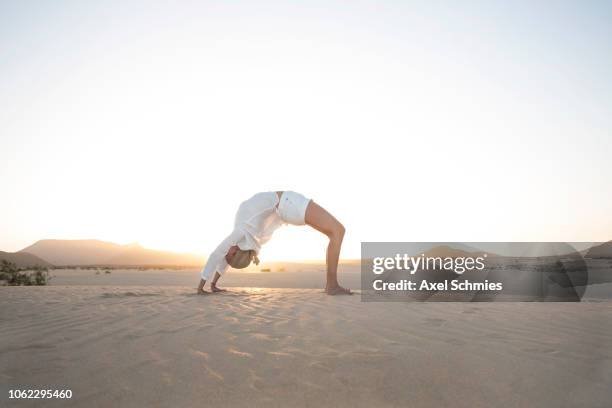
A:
{"points": [[151, 121]]}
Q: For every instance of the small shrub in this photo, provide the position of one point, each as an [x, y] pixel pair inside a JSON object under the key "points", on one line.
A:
{"points": [[40, 275], [15, 276]]}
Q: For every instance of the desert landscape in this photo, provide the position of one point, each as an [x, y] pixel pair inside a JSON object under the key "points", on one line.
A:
{"points": [[140, 336], [118, 345], [134, 335], [153, 153]]}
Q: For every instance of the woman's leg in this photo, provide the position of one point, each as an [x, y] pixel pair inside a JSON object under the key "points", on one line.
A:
{"points": [[318, 218], [201, 290], [213, 284]]}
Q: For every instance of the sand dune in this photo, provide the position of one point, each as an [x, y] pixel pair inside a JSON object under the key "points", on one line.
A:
{"points": [[165, 346]]}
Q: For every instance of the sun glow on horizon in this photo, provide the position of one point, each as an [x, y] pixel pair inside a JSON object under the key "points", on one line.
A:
{"points": [[294, 244]]}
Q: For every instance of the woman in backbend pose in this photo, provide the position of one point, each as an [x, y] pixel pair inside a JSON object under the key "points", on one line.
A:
{"points": [[257, 218]]}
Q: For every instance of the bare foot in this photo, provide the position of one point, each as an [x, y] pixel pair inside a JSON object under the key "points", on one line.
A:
{"points": [[202, 292], [215, 289], [338, 290]]}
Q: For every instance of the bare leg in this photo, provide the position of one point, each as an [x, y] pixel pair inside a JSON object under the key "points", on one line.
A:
{"points": [[213, 284], [321, 220], [201, 290]]}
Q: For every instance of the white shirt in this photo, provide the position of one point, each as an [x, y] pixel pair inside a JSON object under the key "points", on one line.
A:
{"points": [[257, 218]]}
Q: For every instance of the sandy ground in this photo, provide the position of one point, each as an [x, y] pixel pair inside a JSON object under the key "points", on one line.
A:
{"points": [[165, 346], [285, 275], [281, 275]]}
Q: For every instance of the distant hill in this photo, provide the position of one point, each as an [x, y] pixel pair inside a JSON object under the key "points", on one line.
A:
{"points": [[599, 251], [95, 252], [445, 251], [23, 259], [136, 255]]}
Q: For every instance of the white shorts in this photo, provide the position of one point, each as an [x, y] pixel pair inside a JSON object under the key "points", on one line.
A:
{"points": [[292, 207]]}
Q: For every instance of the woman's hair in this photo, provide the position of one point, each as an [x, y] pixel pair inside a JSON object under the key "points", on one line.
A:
{"points": [[241, 258]]}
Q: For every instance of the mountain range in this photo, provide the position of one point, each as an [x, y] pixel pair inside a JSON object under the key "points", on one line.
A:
{"points": [[53, 252], [92, 252], [23, 259], [599, 251]]}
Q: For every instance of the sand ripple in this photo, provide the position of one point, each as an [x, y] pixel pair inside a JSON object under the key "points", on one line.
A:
{"points": [[164, 346]]}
